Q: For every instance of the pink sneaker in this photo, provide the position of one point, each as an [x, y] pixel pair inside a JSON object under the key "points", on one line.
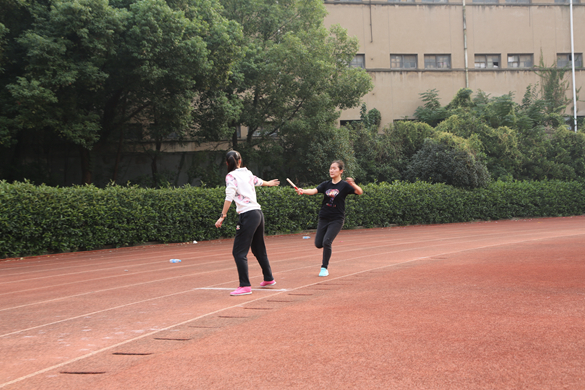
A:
{"points": [[266, 284], [242, 291]]}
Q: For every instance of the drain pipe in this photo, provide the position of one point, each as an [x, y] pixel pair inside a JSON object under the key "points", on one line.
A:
{"points": [[371, 28], [573, 68], [465, 47]]}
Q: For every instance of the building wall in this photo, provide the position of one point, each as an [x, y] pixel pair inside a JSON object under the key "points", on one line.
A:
{"points": [[385, 28]]}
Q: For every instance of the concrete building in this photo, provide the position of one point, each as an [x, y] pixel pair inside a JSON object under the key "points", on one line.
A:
{"points": [[412, 46]]}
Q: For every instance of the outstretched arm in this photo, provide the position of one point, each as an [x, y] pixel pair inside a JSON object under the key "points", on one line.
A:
{"points": [[271, 183], [311, 191], [358, 190]]}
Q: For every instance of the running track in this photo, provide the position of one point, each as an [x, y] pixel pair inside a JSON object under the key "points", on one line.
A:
{"points": [[485, 305]]}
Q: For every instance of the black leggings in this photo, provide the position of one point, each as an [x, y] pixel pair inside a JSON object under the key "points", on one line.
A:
{"points": [[326, 232], [250, 233]]}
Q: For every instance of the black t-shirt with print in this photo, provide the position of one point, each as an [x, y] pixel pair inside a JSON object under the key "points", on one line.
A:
{"points": [[333, 206]]}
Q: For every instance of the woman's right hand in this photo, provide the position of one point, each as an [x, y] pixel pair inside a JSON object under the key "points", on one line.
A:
{"points": [[219, 222], [299, 191]]}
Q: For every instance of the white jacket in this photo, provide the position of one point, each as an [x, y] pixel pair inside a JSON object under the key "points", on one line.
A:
{"points": [[240, 185]]}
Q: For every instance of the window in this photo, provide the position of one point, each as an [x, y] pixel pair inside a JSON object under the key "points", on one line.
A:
{"points": [[565, 60], [437, 61], [486, 1], [263, 131], [487, 61], [401, 1], [434, 1], [349, 122], [566, 1], [517, 1], [359, 61], [403, 61], [520, 61]]}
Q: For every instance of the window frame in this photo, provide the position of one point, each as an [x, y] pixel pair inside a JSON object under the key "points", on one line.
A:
{"points": [[486, 57], [353, 63], [436, 62], [519, 61], [401, 67], [578, 62]]}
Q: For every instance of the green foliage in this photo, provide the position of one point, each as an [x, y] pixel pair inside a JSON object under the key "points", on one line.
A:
{"points": [[498, 147], [527, 141], [41, 219], [370, 119], [461, 100], [431, 112], [385, 156], [375, 155], [89, 71], [567, 152], [447, 161], [3, 32], [306, 159], [553, 87], [295, 75]]}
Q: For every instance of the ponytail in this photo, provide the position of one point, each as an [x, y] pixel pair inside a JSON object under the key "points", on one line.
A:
{"points": [[232, 157]]}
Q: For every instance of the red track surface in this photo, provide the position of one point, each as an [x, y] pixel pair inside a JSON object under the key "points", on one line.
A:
{"points": [[486, 305]]}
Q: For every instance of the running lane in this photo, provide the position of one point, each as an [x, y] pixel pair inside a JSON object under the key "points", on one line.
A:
{"points": [[471, 305]]}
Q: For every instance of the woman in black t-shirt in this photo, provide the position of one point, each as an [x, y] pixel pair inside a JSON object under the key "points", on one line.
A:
{"points": [[332, 214]]}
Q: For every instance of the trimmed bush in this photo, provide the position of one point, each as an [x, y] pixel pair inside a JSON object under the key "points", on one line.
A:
{"points": [[41, 219], [438, 162]]}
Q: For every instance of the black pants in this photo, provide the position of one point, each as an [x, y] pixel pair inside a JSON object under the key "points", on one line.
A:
{"points": [[250, 233], [327, 230]]}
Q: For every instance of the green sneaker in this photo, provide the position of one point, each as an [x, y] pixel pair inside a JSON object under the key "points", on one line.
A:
{"points": [[324, 272]]}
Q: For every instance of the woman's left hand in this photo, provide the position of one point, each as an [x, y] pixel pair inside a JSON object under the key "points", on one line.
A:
{"points": [[350, 181], [273, 183]]}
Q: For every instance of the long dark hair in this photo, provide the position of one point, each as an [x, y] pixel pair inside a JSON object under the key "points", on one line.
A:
{"points": [[232, 157]]}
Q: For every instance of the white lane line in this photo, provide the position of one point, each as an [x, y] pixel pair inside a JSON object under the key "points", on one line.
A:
{"points": [[183, 323], [341, 251], [248, 302], [221, 269], [231, 288], [290, 270]]}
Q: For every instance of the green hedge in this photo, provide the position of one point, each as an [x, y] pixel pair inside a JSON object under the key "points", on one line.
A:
{"points": [[41, 219]]}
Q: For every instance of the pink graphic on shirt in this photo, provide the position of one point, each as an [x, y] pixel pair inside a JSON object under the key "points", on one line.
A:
{"points": [[229, 179], [332, 193], [242, 199]]}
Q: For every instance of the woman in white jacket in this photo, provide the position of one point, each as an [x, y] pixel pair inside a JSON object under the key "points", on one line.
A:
{"points": [[240, 183]]}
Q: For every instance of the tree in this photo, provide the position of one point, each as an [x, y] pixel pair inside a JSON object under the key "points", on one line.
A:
{"points": [[294, 70], [94, 69], [431, 112], [448, 159]]}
